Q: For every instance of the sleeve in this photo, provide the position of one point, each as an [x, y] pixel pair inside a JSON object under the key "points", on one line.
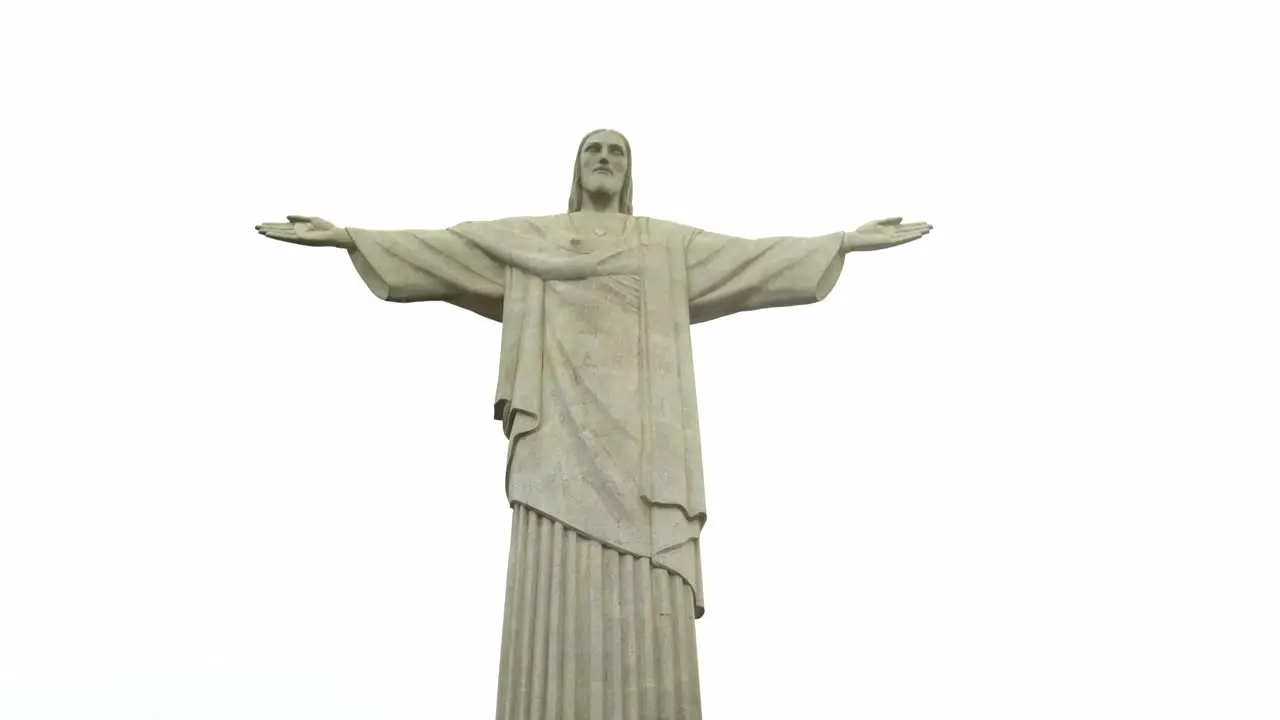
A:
{"points": [[729, 275], [419, 265]]}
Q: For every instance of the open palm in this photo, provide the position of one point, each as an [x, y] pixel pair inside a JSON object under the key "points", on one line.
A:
{"points": [[880, 234], [303, 230]]}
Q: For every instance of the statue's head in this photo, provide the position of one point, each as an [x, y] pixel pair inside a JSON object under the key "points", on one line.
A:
{"points": [[602, 167]]}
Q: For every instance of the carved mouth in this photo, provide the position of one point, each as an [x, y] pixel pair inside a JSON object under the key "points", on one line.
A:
{"points": [[606, 171]]}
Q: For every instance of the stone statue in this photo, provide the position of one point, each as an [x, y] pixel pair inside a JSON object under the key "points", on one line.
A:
{"points": [[596, 396]]}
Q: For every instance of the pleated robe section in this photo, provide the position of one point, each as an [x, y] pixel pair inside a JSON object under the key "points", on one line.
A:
{"points": [[591, 633]]}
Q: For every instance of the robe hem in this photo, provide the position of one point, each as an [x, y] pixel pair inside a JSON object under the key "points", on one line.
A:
{"points": [[698, 609]]}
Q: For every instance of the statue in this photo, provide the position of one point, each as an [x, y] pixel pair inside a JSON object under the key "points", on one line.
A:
{"points": [[596, 396]]}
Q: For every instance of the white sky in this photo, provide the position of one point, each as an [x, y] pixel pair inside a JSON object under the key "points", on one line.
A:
{"points": [[1024, 468]]}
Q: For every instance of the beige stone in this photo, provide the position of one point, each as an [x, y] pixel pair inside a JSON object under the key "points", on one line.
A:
{"points": [[596, 396]]}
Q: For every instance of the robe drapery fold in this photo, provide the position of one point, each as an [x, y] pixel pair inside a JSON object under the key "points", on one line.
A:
{"points": [[595, 383], [417, 265], [590, 633]]}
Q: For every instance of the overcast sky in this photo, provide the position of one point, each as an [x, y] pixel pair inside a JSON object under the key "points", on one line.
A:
{"points": [[1023, 468]]}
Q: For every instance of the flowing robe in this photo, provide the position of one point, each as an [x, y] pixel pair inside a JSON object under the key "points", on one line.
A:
{"points": [[596, 395]]}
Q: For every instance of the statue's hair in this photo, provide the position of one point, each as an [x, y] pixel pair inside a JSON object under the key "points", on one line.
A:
{"points": [[575, 193]]}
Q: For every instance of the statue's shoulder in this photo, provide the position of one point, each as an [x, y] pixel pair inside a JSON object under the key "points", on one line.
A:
{"points": [[666, 228], [538, 219], [535, 225], [549, 225]]}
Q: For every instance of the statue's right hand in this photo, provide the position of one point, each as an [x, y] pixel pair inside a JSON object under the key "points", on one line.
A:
{"points": [[303, 230]]}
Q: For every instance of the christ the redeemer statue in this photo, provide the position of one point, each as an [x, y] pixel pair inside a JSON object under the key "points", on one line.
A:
{"points": [[596, 396]]}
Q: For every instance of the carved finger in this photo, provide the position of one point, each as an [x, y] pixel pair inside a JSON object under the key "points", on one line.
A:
{"points": [[299, 218], [891, 221]]}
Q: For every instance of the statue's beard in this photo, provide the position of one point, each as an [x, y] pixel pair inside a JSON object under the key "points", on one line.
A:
{"points": [[599, 185], [600, 190]]}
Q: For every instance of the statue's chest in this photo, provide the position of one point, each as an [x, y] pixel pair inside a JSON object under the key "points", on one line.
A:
{"points": [[589, 235]]}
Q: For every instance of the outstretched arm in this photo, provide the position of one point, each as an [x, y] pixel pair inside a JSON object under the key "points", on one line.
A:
{"points": [[729, 275], [408, 265]]}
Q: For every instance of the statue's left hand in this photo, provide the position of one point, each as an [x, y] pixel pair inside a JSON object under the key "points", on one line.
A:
{"points": [[303, 230], [880, 234]]}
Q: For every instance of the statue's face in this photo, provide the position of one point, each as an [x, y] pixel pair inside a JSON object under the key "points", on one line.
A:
{"points": [[603, 163]]}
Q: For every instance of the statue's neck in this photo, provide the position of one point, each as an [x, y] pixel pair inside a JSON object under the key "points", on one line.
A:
{"points": [[600, 202]]}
